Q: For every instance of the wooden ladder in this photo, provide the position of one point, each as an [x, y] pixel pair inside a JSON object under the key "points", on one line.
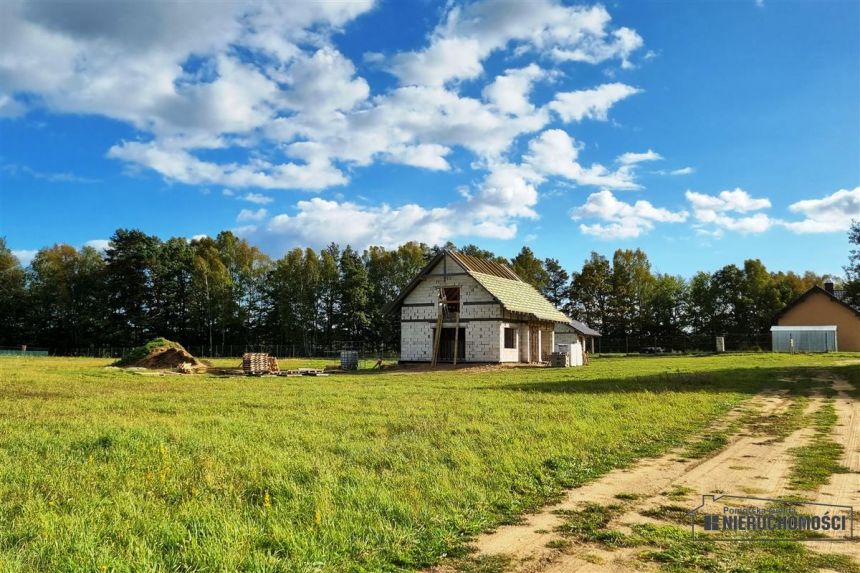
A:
{"points": [[437, 339], [456, 337]]}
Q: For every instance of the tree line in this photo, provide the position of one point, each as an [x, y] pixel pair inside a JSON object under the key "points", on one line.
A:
{"points": [[213, 293]]}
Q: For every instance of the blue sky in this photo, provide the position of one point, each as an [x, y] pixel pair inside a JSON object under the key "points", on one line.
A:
{"points": [[703, 132]]}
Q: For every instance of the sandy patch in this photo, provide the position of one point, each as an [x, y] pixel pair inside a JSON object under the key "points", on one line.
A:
{"points": [[844, 489], [767, 461]]}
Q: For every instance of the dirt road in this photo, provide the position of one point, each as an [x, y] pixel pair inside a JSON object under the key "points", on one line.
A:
{"points": [[754, 462]]}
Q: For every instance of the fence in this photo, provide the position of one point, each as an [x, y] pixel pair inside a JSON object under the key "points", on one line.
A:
{"points": [[331, 352], [734, 342], [22, 351]]}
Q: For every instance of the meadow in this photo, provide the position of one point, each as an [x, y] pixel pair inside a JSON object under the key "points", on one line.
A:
{"points": [[109, 470]]}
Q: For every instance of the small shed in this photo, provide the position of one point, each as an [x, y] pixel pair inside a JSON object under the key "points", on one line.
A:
{"points": [[804, 338], [574, 331]]}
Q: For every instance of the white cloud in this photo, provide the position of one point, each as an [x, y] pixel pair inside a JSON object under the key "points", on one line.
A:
{"points": [[829, 214], [182, 166], [98, 244], [257, 198], [264, 82], [507, 191], [590, 104], [9, 107], [246, 215], [736, 200], [554, 153], [510, 92], [170, 70], [622, 220], [427, 155], [631, 158], [199, 237], [24, 256], [470, 33], [679, 171], [361, 226], [718, 211]]}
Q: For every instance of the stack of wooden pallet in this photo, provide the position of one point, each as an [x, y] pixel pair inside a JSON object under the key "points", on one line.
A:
{"points": [[259, 363]]}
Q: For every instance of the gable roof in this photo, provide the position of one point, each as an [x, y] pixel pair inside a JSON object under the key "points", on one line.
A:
{"points": [[812, 290], [582, 328], [501, 282]]}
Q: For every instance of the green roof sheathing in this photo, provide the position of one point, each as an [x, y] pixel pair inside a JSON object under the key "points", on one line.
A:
{"points": [[519, 296]]}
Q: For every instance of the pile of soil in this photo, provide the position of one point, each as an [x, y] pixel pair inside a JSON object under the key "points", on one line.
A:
{"points": [[162, 354]]}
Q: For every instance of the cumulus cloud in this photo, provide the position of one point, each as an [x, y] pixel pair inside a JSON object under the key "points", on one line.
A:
{"points": [[469, 34], [362, 225], [720, 211], [174, 72], [829, 214], [592, 103], [246, 215], [622, 220], [180, 165], [554, 153], [264, 85], [510, 92]]}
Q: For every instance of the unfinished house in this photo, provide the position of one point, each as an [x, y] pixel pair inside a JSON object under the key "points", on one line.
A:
{"points": [[464, 309]]}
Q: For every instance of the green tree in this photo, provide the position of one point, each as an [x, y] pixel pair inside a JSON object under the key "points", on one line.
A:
{"points": [[590, 291], [762, 297], [172, 277], [664, 315], [354, 293], [729, 303], [212, 287], [700, 305], [530, 269], [476, 251], [556, 288], [65, 292], [14, 301], [631, 281], [852, 269], [130, 259], [330, 293]]}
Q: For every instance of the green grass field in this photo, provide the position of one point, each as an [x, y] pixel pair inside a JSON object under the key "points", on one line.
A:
{"points": [[107, 470]]}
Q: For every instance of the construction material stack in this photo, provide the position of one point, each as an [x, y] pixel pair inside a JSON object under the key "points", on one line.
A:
{"points": [[259, 363]]}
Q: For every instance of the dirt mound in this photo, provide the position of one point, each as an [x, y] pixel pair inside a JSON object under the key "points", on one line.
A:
{"points": [[167, 357], [162, 354]]}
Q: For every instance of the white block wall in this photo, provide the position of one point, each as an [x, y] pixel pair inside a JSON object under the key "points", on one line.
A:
{"points": [[416, 341], [509, 354], [483, 341]]}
